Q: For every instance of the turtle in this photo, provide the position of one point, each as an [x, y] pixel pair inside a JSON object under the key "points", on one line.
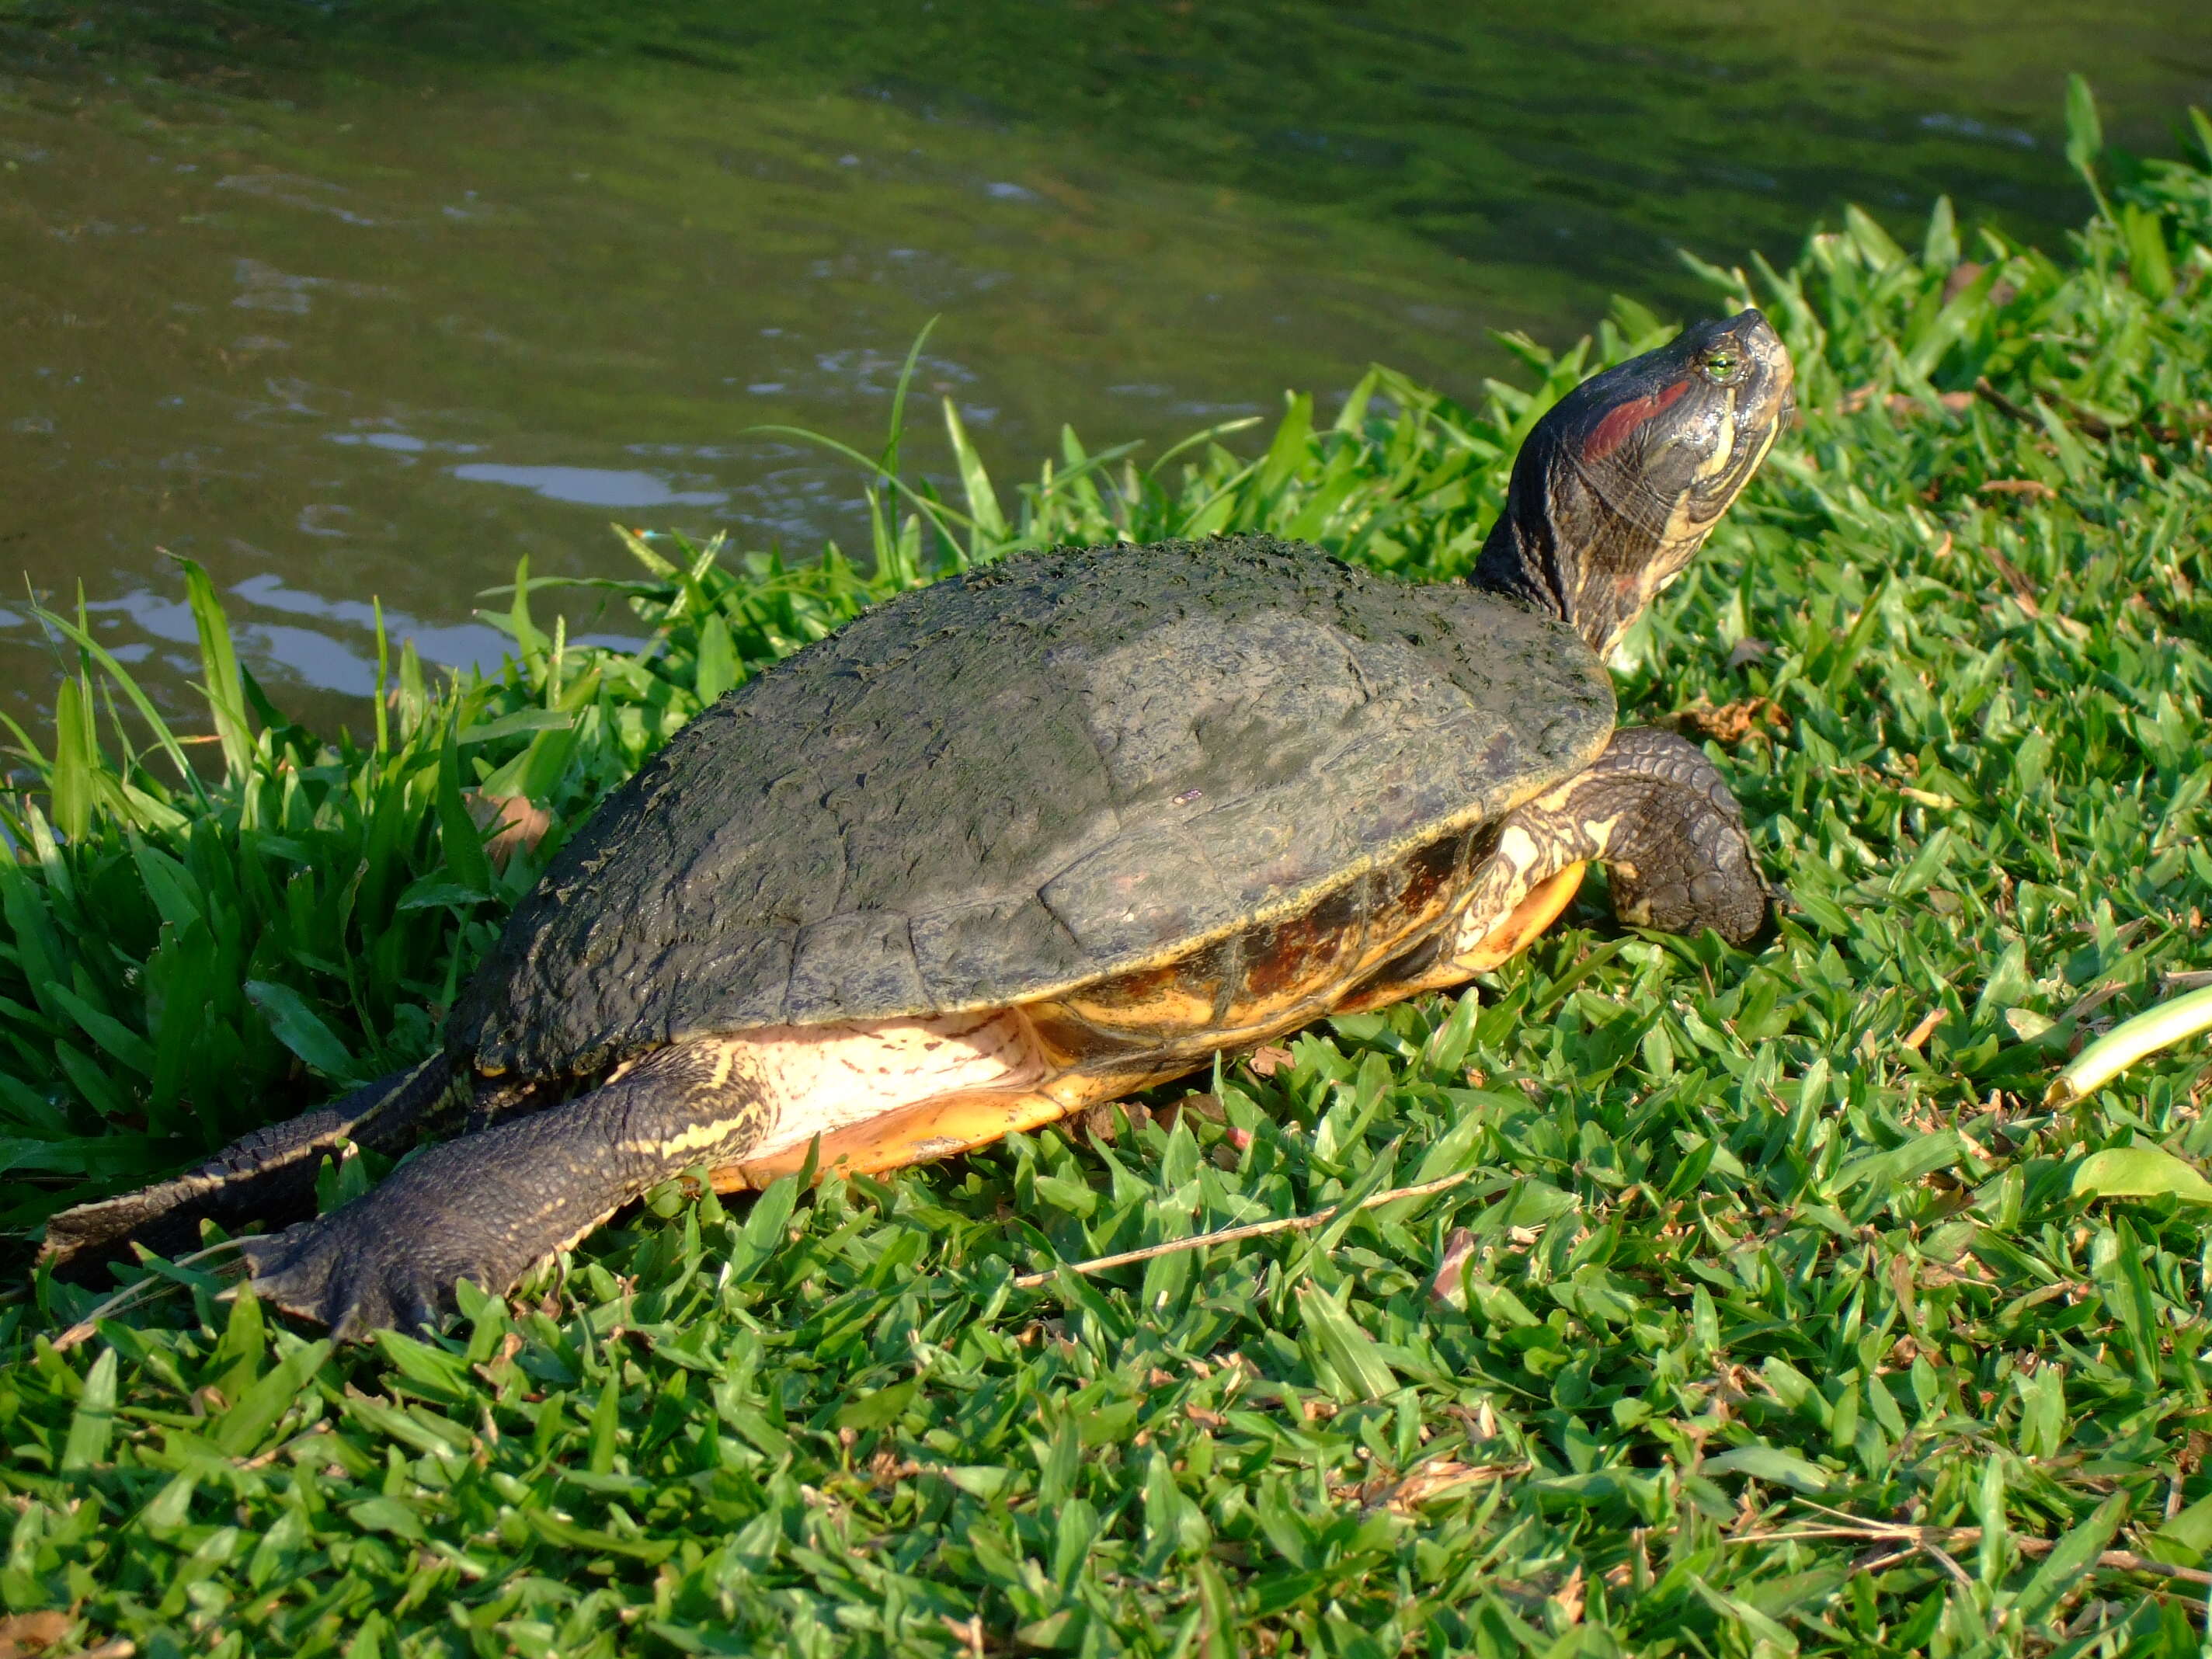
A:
{"points": [[1041, 834]]}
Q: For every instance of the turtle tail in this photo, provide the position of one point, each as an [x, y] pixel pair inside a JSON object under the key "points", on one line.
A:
{"points": [[267, 1175]]}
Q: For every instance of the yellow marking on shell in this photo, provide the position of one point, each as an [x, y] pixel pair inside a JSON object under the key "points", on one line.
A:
{"points": [[931, 1129], [1065, 1081], [809, 1080], [1537, 909], [1174, 1010]]}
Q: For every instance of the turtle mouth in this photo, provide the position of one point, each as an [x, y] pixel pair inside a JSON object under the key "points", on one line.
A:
{"points": [[1749, 434]]}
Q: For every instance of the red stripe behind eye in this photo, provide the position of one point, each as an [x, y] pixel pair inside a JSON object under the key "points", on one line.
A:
{"points": [[1614, 428]]}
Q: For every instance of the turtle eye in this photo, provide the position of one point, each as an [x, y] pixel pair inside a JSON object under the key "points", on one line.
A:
{"points": [[1723, 364]]}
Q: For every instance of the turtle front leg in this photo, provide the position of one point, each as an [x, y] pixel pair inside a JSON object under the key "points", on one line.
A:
{"points": [[1655, 812], [485, 1206]]}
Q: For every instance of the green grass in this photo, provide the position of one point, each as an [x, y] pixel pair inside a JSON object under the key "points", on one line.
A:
{"points": [[1750, 1238]]}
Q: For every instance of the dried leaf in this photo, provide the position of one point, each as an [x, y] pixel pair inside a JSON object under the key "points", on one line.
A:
{"points": [[1570, 1597], [1401, 1495], [1926, 1028], [31, 1632], [1448, 1284], [1731, 723], [514, 823]]}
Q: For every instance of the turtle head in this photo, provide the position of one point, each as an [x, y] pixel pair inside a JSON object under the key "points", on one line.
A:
{"points": [[1619, 484]]}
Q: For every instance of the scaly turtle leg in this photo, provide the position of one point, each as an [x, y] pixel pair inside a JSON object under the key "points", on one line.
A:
{"points": [[485, 1206], [267, 1175], [1653, 809]]}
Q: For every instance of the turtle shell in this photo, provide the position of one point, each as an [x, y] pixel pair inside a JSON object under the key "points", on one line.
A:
{"points": [[1028, 777]]}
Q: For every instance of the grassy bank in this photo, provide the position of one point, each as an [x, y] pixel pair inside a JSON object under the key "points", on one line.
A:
{"points": [[1772, 1262]]}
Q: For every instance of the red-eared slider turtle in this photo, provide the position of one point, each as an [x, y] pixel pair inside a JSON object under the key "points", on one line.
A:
{"points": [[1039, 835]]}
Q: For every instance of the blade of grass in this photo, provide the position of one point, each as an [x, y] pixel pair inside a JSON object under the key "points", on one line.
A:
{"points": [[225, 696], [2129, 1042]]}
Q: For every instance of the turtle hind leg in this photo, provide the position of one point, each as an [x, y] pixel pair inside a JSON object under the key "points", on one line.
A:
{"points": [[266, 1176], [485, 1206]]}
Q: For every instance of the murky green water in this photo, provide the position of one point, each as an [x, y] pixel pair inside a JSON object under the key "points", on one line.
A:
{"points": [[378, 310]]}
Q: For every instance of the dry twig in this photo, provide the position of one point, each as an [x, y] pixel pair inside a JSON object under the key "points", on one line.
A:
{"points": [[1930, 1540], [135, 1292], [1230, 1235]]}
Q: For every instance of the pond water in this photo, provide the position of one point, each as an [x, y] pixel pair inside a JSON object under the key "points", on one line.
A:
{"points": [[375, 308]]}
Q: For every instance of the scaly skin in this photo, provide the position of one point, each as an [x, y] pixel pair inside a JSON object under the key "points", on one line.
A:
{"points": [[485, 1206], [1659, 816]]}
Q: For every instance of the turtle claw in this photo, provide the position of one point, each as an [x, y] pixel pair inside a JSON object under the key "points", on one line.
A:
{"points": [[482, 1208], [352, 1278]]}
